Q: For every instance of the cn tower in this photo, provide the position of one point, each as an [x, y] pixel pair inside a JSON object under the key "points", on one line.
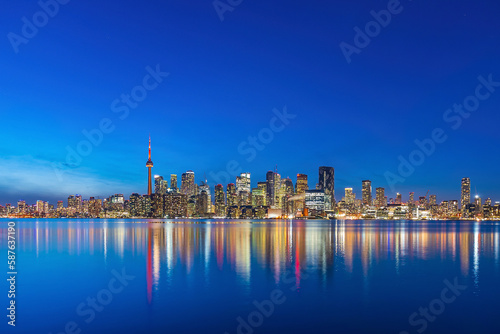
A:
{"points": [[149, 164]]}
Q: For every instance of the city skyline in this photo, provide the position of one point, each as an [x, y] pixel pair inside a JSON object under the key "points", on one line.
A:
{"points": [[326, 182], [276, 197]]}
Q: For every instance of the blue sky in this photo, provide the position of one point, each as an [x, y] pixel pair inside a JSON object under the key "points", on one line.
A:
{"points": [[226, 78]]}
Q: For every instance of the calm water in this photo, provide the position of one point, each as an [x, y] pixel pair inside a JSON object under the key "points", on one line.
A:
{"points": [[255, 277]]}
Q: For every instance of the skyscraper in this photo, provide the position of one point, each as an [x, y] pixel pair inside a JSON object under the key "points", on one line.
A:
{"points": [[270, 187], [232, 198], [173, 182], [399, 198], [161, 185], [465, 196], [380, 197], [220, 208], [349, 196], [327, 182], [432, 200], [263, 191], [206, 188], [366, 192], [301, 185], [149, 165], [411, 200], [187, 183], [277, 190], [259, 194], [243, 183]]}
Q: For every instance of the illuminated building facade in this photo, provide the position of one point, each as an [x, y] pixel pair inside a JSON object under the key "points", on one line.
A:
{"points": [[301, 186], [380, 199], [465, 193], [243, 183], [232, 197], [187, 183], [220, 206], [327, 183], [366, 192], [315, 202], [173, 182], [161, 185]]}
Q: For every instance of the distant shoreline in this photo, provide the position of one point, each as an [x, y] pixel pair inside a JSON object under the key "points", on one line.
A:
{"points": [[263, 219]]}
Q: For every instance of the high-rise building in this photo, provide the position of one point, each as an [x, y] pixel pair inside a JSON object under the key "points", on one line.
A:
{"points": [[206, 188], [220, 206], [315, 202], [411, 200], [95, 207], [40, 205], [75, 203], [187, 183], [232, 197], [149, 165], [176, 205], [399, 198], [244, 198], [147, 206], [262, 186], [277, 191], [135, 205], [158, 205], [161, 185], [465, 195], [380, 199], [173, 182], [349, 196], [270, 187], [243, 183], [202, 204], [288, 186], [259, 195], [432, 200], [366, 192], [21, 206], [301, 185], [327, 182], [453, 208], [477, 201]]}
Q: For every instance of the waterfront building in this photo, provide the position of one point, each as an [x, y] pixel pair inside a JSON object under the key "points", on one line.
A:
{"points": [[465, 193], [366, 192], [188, 186]]}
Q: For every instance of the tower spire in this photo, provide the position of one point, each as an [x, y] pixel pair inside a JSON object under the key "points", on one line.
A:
{"points": [[149, 164], [149, 156]]}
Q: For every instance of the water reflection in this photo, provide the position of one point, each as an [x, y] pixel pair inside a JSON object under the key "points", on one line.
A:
{"points": [[325, 247]]}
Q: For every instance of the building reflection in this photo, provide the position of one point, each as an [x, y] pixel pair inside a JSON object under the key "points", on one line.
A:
{"points": [[178, 249]]}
